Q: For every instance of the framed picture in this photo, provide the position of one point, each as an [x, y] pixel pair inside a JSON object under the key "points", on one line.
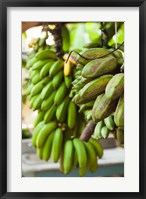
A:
{"points": [[72, 83]]}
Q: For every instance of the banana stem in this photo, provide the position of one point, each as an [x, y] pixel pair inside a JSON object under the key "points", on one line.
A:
{"points": [[88, 131]]}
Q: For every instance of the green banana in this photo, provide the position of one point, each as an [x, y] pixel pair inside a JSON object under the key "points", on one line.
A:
{"points": [[57, 79], [82, 171], [94, 166], [37, 88], [81, 152], [46, 68], [47, 90], [115, 87], [119, 113], [97, 147], [31, 62], [37, 103], [99, 67], [65, 38], [120, 135], [88, 115], [57, 144], [50, 114], [104, 132], [32, 73], [90, 91], [32, 100], [97, 130], [91, 154], [61, 111], [103, 108], [56, 67], [91, 53], [29, 88], [39, 118], [36, 78], [109, 122], [39, 64], [47, 103], [48, 147], [68, 156], [60, 94], [36, 131], [86, 106], [44, 133], [68, 81], [39, 152], [72, 113], [46, 54]]}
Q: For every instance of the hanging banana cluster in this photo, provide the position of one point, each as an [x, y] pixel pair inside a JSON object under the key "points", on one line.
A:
{"points": [[98, 90], [58, 125]]}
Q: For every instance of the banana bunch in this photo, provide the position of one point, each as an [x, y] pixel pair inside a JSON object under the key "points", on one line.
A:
{"points": [[98, 89], [58, 124], [77, 153], [104, 127]]}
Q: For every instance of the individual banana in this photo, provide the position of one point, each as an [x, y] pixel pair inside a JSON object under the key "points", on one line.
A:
{"points": [[37, 88], [68, 156], [39, 152], [81, 152], [115, 87], [39, 118], [32, 100], [72, 114], [44, 133], [68, 81], [56, 67], [57, 79], [94, 166], [119, 113], [92, 89], [32, 73], [39, 64], [97, 130], [91, 154], [36, 78], [65, 38], [47, 90], [47, 103], [36, 131], [60, 94], [99, 67], [62, 109], [86, 106], [109, 122], [120, 135], [31, 62], [50, 114], [46, 54], [104, 132], [47, 148], [37, 103], [45, 69], [82, 171], [91, 53], [57, 144], [29, 88], [67, 68], [103, 109], [97, 147]]}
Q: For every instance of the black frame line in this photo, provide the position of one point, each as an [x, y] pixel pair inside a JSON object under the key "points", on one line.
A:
{"points": [[4, 4]]}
